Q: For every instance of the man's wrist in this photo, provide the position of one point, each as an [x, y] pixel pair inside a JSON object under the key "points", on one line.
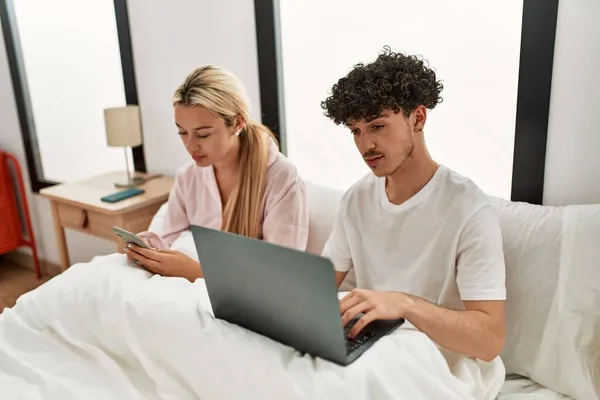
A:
{"points": [[407, 305]]}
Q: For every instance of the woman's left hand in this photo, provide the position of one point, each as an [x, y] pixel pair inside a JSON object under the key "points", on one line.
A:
{"points": [[165, 262]]}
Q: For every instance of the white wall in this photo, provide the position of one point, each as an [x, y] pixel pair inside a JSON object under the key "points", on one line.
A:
{"points": [[572, 161], [169, 40], [471, 132]]}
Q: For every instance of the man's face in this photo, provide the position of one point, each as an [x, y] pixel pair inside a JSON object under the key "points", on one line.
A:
{"points": [[386, 142]]}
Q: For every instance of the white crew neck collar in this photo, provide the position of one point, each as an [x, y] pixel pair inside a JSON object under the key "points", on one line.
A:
{"points": [[418, 197]]}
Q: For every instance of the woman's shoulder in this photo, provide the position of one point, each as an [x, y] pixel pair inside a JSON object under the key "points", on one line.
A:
{"points": [[282, 174], [282, 170], [189, 174]]}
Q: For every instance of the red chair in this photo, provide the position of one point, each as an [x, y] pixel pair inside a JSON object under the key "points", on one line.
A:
{"points": [[11, 230]]}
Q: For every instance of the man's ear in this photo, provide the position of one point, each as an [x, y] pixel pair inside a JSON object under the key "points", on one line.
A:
{"points": [[420, 116]]}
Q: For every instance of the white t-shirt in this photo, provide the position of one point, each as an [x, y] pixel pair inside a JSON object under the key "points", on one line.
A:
{"points": [[444, 244]]}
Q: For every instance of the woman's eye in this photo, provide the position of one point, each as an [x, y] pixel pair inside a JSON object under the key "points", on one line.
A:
{"points": [[181, 133], [202, 136]]}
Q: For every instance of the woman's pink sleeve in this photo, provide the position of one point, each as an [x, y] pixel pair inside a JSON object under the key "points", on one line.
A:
{"points": [[286, 216], [175, 222]]}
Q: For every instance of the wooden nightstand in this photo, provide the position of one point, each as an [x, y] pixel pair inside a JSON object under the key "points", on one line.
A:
{"points": [[78, 206]]}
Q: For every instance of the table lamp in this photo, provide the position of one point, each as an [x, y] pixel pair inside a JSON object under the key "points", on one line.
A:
{"points": [[124, 129]]}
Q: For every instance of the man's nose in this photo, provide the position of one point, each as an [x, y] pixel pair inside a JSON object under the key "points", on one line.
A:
{"points": [[365, 143]]}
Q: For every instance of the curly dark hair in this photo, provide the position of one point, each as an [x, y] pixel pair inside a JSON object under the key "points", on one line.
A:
{"points": [[394, 81]]}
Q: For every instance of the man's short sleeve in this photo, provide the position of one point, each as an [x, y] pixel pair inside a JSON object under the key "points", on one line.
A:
{"points": [[480, 264], [337, 248]]}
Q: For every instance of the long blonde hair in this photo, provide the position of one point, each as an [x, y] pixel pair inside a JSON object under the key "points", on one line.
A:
{"points": [[221, 93]]}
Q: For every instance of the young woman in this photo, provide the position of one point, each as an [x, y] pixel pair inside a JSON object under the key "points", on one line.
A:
{"points": [[239, 182]]}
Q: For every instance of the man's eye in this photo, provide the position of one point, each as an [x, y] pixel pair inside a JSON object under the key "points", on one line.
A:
{"points": [[355, 131], [377, 127]]}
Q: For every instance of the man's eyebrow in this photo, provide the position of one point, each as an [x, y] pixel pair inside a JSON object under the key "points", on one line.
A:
{"points": [[383, 115]]}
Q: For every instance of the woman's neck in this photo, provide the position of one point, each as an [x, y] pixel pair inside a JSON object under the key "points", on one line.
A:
{"points": [[226, 171]]}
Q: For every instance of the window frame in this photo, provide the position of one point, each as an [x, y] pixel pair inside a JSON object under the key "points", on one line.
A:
{"points": [[538, 33], [22, 96]]}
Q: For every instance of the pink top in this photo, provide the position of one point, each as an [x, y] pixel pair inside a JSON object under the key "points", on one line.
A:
{"points": [[195, 200]]}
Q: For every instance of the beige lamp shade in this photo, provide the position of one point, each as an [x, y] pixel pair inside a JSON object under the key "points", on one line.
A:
{"points": [[123, 126]]}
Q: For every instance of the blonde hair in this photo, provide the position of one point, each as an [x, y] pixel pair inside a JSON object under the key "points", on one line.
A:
{"points": [[221, 93]]}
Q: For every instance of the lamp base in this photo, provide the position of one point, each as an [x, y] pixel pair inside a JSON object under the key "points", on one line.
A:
{"points": [[135, 181]]}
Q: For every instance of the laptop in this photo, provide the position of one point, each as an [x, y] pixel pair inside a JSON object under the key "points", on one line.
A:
{"points": [[284, 294]]}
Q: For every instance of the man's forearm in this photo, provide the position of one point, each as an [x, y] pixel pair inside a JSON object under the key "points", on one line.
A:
{"points": [[339, 277], [470, 333]]}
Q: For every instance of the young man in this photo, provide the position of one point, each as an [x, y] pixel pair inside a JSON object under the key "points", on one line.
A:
{"points": [[424, 241]]}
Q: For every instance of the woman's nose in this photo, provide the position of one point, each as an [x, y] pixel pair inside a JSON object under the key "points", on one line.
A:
{"points": [[192, 143]]}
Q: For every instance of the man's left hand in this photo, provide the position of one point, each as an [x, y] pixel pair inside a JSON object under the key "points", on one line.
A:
{"points": [[165, 262], [374, 305]]}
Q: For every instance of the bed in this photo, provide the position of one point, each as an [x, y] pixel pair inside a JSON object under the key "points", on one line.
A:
{"points": [[107, 329]]}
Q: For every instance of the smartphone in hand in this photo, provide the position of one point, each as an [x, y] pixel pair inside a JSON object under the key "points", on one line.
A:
{"points": [[129, 237]]}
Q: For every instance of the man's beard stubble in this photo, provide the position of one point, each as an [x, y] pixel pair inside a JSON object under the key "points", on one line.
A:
{"points": [[407, 155]]}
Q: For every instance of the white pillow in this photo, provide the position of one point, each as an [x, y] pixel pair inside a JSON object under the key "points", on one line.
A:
{"points": [[323, 206], [158, 219], [553, 286]]}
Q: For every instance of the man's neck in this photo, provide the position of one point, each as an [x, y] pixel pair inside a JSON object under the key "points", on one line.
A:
{"points": [[408, 180]]}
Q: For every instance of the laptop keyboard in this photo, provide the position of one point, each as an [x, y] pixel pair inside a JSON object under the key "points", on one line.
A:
{"points": [[355, 342]]}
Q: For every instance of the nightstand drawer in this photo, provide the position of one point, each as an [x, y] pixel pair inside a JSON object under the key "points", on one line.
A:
{"points": [[72, 217], [100, 225], [87, 221]]}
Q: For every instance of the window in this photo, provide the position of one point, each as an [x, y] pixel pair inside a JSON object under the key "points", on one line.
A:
{"points": [[495, 60], [69, 61]]}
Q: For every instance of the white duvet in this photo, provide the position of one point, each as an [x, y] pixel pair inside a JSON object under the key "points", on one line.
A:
{"points": [[107, 330]]}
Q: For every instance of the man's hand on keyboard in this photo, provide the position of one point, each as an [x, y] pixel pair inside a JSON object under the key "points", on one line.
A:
{"points": [[374, 305]]}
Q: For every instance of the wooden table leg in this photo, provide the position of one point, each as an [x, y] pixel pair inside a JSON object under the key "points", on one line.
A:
{"points": [[61, 241]]}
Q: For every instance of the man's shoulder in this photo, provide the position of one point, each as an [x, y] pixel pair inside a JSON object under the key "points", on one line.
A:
{"points": [[461, 193], [360, 191]]}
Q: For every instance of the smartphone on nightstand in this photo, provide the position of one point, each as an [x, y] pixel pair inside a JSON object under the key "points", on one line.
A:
{"points": [[122, 195]]}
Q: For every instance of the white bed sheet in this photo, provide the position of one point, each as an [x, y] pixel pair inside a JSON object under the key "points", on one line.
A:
{"points": [[107, 330], [519, 388]]}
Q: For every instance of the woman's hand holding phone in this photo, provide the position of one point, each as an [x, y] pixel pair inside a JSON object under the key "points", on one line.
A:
{"points": [[165, 262]]}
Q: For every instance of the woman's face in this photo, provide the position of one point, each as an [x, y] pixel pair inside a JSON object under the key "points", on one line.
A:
{"points": [[205, 135]]}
